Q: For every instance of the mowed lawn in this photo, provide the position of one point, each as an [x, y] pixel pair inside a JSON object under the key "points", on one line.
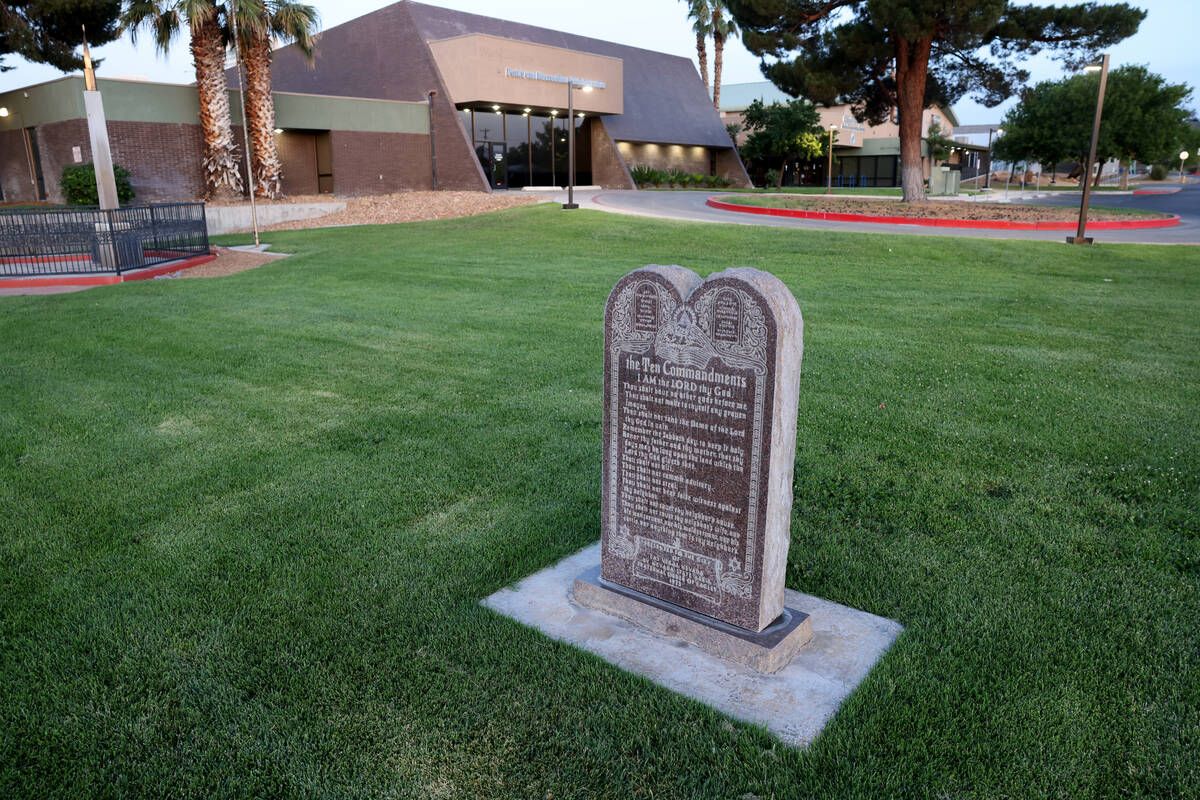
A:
{"points": [[245, 523]]}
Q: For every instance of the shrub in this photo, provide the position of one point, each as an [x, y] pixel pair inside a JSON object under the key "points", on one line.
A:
{"points": [[658, 177], [676, 177], [79, 185], [721, 182], [699, 179], [1158, 173], [641, 174], [772, 177]]}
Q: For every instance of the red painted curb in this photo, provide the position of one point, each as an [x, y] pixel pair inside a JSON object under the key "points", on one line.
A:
{"points": [[1156, 191], [937, 222], [103, 280]]}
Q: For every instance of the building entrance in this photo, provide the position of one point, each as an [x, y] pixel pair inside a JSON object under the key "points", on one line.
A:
{"points": [[526, 148], [493, 159]]}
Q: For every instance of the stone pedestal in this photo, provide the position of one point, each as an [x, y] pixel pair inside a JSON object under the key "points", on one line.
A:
{"points": [[766, 651]]}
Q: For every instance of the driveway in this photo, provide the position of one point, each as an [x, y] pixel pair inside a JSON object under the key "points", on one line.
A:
{"points": [[689, 205]]}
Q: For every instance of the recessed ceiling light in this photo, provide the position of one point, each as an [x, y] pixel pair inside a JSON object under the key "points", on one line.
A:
{"points": [[279, 130], [528, 110], [495, 108]]}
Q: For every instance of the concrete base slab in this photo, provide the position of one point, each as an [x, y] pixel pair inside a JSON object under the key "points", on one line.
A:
{"points": [[794, 703], [766, 651]]}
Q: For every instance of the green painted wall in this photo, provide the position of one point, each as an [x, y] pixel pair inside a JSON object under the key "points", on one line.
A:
{"points": [[138, 101], [55, 101], [318, 112]]}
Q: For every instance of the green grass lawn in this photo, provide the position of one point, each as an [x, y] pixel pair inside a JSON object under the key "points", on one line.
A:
{"points": [[247, 522]]}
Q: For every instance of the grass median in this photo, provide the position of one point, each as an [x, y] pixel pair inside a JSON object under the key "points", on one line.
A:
{"points": [[246, 521]]}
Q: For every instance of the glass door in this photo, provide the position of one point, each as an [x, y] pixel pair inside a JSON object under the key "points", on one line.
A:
{"points": [[493, 160], [498, 165]]}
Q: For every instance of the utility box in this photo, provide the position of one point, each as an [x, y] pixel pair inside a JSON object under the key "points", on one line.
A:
{"points": [[943, 180]]}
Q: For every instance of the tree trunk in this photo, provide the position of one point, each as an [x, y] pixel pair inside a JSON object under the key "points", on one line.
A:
{"points": [[1099, 165], [718, 57], [1125, 173], [702, 56], [782, 167], [260, 115], [912, 68], [222, 178]]}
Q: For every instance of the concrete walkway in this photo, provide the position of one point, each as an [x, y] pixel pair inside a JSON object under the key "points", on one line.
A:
{"points": [[689, 206]]}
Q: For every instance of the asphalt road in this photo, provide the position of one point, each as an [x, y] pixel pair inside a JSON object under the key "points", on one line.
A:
{"points": [[689, 205]]}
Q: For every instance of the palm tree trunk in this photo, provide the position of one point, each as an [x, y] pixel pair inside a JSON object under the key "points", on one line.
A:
{"points": [[221, 175], [702, 56], [260, 115], [718, 57]]}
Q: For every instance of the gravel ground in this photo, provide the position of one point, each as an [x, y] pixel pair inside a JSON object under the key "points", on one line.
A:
{"points": [[934, 209], [402, 207]]}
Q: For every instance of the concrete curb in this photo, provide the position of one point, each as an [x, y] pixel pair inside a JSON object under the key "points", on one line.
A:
{"points": [[937, 222], [94, 279]]}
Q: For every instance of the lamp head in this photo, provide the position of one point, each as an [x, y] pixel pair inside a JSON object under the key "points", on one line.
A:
{"points": [[3, 111], [1183, 156]]}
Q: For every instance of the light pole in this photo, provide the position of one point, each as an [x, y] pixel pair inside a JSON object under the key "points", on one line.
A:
{"points": [[829, 170], [987, 182], [1079, 238], [571, 87], [1183, 156]]}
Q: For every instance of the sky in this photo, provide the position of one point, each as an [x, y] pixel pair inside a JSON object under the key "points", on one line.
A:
{"points": [[1166, 42]]}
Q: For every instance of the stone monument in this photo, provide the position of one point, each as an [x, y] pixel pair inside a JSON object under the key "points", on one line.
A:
{"points": [[701, 382]]}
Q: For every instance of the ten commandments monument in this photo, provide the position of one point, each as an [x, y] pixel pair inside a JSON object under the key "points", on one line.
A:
{"points": [[701, 381]]}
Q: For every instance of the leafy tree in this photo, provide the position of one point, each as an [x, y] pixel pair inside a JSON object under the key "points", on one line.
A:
{"points": [[1144, 119], [733, 129], [782, 131], [939, 145], [906, 55], [49, 31]]}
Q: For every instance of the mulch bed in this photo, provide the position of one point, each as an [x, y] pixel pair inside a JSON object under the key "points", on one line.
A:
{"points": [[229, 262], [938, 209]]}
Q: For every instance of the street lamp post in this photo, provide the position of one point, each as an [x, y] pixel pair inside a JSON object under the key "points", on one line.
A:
{"points": [[829, 170], [571, 87], [987, 182], [1183, 156], [1079, 238]]}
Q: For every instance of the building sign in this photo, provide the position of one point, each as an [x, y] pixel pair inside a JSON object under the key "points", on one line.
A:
{"points": [[851, 124], [533, 75]]}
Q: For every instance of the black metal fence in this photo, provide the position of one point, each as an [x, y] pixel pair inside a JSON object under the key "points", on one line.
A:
{"points": [[71, 241]]}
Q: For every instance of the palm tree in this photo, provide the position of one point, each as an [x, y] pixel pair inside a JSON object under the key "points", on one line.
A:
{"points": [[258, 22], [723, 27], [163, 19], [701, 16]]}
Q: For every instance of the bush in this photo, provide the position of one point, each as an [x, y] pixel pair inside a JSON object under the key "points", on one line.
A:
{"points": [[79, 185], [641, 174], [676, 177], [699, 179], [1158, 173], [772, 177]]}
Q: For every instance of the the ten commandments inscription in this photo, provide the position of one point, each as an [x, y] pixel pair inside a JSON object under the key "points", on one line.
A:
{"points": [[700, 395]]}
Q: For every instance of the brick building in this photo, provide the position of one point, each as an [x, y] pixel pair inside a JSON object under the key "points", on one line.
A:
{"points": [[398, 99], [864, 154]]}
